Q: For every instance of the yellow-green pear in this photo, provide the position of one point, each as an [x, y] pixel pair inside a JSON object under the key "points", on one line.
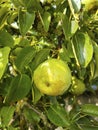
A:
{"points": [[52, 77]]}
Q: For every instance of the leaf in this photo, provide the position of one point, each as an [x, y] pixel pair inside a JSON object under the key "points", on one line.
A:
{"points": [[4, 53], [26, 20], [19, 88], [6, 39], [3, 15], [82, 49], [76, 5], [24, 57], [74, 27], [66, 25], [46, 19], [31, 115], [89, 127], [96, 60], [69, 27], [90, 109], [58, 116], [13, 128], [36, 94], [6, 114], [40, 57], [17, 3], [63, 54], [33, 5]]}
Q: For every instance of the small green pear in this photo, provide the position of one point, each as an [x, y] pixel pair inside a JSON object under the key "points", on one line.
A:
{"points": [[78, 87], [89, 4]]}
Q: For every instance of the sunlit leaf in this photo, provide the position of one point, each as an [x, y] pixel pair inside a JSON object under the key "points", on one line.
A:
{"points": [[82, 49], [69, 27], [26, 19], [40, 57], [76, 5], [3, 15], [6, 114], [46, 19], [4, 53]]}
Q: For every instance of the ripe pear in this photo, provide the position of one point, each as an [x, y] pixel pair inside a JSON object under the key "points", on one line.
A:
{"points": [[52, 77]]}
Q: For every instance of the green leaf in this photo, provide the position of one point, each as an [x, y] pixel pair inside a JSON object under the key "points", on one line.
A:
{"points": [[3, 15], [19, 88], [13, 128], [82, 49], [24, 57], [69, 27], [46, 19], [6, 39], [36, 94], [74, 27], [63, 54], [4, 53], [89, 127], [58, 116], [90, 109], [26, 20], [96, 60], [17, 3], [76, 5], [6, 114], [40, 57], [66, 25], [31, 115], [33, 5]]}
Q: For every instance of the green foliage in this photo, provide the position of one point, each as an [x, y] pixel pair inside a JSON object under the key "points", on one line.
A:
{"points": [[61, 117], [31, 32], [4, 53]]}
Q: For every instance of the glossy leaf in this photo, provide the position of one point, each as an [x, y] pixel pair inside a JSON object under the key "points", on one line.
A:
{"points": [[4, 53], [24, 57], [46, 19], [82, 49], [6, 39], [39, 58], [90, 109], [76, 5], [60, 115], [26, 20], [19, 88], [69, 27], [6, 114]]}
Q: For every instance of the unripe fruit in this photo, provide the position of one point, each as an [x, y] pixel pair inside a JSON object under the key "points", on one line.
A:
{"points": [[52, 77], [89, 4], [78, 87]]}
